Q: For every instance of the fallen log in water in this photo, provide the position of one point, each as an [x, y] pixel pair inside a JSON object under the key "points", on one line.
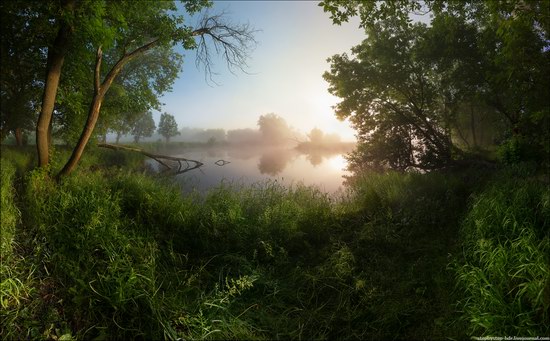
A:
{"points": [[184, 165]]}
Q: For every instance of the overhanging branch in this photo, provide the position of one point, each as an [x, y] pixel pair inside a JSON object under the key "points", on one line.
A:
{"points": [[233, 42]]}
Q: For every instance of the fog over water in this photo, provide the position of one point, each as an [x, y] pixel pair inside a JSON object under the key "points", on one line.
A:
{"points": [[248, 165]]}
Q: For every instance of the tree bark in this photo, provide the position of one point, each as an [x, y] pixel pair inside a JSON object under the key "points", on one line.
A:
{"points": [[93, 115], [18, 137], [50, 134], [56, 58]]}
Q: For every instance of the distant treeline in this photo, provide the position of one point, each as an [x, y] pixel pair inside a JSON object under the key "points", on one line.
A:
{"points": [[272, 129]]}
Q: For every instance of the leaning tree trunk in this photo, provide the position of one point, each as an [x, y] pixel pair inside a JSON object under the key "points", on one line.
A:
{"points": [[93, 115], [100, 89], [56, 58]]}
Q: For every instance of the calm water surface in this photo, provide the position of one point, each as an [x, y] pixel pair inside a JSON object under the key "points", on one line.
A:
{"points": [[249, 166]]}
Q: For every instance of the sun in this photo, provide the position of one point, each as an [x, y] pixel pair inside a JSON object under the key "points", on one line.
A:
{"points": [[338, 162], [322, 103]]}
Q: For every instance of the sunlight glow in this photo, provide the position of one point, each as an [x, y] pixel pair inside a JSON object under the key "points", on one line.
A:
{"points": [[338, 162], [321, 103]]}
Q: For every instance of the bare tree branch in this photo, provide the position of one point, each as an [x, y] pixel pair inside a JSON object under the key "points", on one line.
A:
{"points": [[184, 165], [233, 42]]}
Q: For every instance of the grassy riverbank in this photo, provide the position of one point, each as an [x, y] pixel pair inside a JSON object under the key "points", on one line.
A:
{"points": [[113, 252]]}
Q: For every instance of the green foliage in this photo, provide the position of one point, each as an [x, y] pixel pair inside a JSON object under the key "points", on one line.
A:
{"points": [[505, 275], [94, 255], [168, 126], [420, 95], [20, 158], [388, 90], [138, 67], [21, 65], [513, 150], [144, 126]]}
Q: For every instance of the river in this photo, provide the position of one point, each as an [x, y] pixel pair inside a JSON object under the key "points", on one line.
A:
{"points": [[252, 165]]}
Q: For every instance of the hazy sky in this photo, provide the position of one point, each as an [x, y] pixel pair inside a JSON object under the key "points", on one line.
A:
{"points": [[286, 68]]}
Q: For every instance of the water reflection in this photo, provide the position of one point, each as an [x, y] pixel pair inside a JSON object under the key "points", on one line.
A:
{"points": [[242, 153], [214, 152], [274, 161], [252, 165], [315, 159]]}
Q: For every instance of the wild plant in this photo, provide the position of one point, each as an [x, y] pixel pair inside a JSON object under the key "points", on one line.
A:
{"points": [[505, 275]]}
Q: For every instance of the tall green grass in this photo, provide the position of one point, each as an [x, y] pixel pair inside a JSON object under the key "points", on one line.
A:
{"points": [[505, 275], [15, 279], [20, 158], [119, 254], [9, 213], [129, 256]]}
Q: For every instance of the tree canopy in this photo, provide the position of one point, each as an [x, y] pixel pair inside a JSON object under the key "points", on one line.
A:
{"points": [[274, 129], [423, 95], [168, 126], [144, 126]]}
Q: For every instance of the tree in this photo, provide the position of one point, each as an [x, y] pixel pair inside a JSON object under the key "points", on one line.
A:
{"points": [[414, 91], [56, 58], [144, 126], [114, 31], [274, 129], [168, 126], [274, 161], [391, 97], [316, 136]]}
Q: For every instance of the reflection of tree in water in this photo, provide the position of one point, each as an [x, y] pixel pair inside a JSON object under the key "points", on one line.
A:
{"points": [[214, 153], [243, 153], [273, 162], [315, 159]]}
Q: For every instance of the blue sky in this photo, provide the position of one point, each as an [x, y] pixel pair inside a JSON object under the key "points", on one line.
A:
{"points": [[285, 71]]}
